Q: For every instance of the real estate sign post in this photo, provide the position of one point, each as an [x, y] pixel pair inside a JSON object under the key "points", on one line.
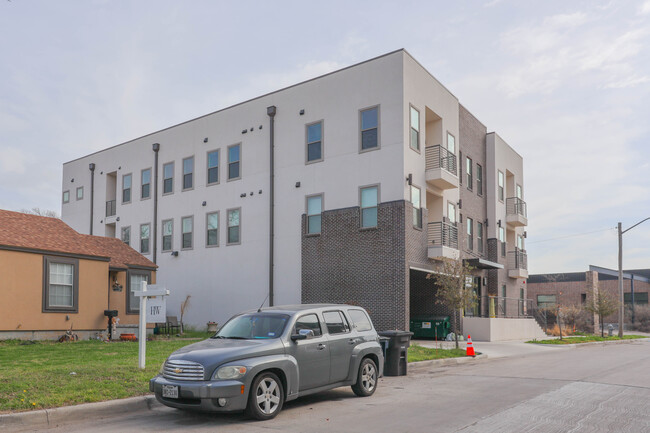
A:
{"points": [[157, 313]]}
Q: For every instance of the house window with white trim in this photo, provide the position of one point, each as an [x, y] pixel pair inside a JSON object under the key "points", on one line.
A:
{"points": [[314, 211]]}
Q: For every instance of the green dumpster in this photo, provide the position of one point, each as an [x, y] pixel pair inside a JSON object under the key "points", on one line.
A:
{"points": [[430, 327]]}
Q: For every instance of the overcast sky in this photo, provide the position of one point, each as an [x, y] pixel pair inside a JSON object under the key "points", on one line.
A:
{"points": [[567, 84]]}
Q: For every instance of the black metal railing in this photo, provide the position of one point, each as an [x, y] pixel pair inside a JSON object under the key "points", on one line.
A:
{"points": [[443, 234], [516, 206], [110, 208], [500, 306], [439, 157], [517, 259]]}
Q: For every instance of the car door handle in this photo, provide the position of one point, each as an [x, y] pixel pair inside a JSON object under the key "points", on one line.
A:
{"points": [[321, 346]]}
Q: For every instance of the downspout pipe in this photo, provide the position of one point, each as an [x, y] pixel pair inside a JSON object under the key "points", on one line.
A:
{"points": [[156, 148], [271, 111], [91, 167]]}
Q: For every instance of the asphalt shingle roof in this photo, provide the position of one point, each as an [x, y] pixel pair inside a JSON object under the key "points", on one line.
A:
{"points": [[33, 232]]}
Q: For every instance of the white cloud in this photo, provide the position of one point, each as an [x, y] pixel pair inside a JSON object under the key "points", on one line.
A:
{"points": [[645, 8], [12, 161]]}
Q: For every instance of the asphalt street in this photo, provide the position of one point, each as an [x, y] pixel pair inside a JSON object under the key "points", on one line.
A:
{"points": [[596, 388]]}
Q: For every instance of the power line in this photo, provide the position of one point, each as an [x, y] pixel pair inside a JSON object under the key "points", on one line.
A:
{"points": [[572, 236]]}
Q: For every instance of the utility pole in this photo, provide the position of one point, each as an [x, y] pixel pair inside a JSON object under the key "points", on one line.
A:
{"points": [[620, 273]]}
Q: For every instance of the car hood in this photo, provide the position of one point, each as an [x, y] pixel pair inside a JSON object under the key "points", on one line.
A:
{"points": [[216, 351]]}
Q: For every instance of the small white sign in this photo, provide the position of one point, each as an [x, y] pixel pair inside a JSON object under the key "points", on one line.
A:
{"points": [[157, 309], [469, 282], [426, 325]]}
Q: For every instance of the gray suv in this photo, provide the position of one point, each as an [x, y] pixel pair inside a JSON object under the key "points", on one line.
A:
{"points": [[262, 358]]}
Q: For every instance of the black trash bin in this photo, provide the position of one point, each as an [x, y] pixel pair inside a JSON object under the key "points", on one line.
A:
{"points": [[395, 358]]}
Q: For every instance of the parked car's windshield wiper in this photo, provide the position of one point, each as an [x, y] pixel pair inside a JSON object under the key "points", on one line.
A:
{"points": [[229, 337]]}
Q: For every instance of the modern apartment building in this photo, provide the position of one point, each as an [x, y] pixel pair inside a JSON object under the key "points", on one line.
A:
{"points": [[349, 187]]}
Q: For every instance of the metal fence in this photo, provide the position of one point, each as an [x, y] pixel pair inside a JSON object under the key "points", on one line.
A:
{"points": [[500, 306], [515, 205], [517, 259], [439, 157], [443, 234], [110, 208]]}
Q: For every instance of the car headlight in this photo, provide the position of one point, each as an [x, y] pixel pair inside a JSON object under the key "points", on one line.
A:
{"points": [[230, 372]]}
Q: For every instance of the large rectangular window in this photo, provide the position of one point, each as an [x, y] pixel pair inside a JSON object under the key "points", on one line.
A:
{"points": [[167, 235], [80, 193], [479, 237], [126, 235], [469, 171], [61, 284], [470, 234], [315, 142], [415, 129], [234, 225], [417, 206], [451, 212], [520, 242], [146, 183], [135, 279], [519, 192], [451, 143], [500, 185], [212, 228], [144, 238], [126, 188], [188, 173], [66, 196], [168, 178], [369, 202], [234, 162], [187, 227], [369, 129], [546, 301], [213, 167], [640, 298], [502, 238], [314, 211], [479, 179]]}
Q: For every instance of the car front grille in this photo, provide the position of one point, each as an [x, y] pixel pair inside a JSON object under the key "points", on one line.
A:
{"points": [[183, 370]]}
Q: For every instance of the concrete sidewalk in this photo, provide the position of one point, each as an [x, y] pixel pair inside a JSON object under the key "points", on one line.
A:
{"points": [[493, 349]]}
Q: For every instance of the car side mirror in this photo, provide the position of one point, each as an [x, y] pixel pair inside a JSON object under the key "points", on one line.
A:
{"points": [[303, 334]]}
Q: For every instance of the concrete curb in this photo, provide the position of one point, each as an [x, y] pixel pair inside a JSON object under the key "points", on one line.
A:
{"points": [[446, 362], [15, 422], [593, 343]]}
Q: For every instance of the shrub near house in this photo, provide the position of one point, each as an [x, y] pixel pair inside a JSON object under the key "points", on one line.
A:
{"points": [[59, 279]]}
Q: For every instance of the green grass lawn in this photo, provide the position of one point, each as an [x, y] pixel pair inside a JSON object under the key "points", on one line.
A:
{"points": [[584, 339], [39, 375], [418, 353]]}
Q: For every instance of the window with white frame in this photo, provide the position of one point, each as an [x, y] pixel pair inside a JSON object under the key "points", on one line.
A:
{"points": [[501, 181], [126, 188], [314, 213], [369, 128], [212, 228], [315, 142], [234, 225], [60, 288], [519, 192], [470, 234], [168, 178], [479, 236], [502, 238], [369, 203], [469, 172], [451, 143], [520, 242], [417, 206], [451, 212], [188, 173], [234, 162], [213, 167], [144, 238], [187, 228], [126, 235], [135, 279], [479, 179], [415, 129], [145, 179], [167, 235]]}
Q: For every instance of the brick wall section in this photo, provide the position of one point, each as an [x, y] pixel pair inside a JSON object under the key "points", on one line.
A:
{"points": [[366, 267], [570, 292]]}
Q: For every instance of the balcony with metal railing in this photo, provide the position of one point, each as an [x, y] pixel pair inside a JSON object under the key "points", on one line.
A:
{"points": [[516, 212], [441, 167], [517, 263], [110, 208], [500, 306], [443, 240]]}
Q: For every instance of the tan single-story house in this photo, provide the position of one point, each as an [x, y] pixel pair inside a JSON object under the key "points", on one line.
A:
{"points": [[55, 279]]}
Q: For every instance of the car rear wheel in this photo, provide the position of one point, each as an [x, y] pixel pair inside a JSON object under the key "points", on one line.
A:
{"points": [[266, 397], [366, 379]]}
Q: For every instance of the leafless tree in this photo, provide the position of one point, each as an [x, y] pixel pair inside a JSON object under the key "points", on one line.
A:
{"points": [[41, 212], [184, 305], [455, 288]]}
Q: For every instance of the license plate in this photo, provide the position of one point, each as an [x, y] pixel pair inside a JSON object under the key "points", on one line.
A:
{"points": [[170, 391]]}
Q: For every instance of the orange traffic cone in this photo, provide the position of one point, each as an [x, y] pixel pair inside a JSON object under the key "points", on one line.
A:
{"points": [[470, 346]]}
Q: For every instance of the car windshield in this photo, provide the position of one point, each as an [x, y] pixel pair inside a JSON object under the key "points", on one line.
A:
{"points": [[254, 326]]}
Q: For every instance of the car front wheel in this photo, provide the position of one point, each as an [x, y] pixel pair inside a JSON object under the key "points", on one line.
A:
{"points": [[366, 379], [266, 397]]}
